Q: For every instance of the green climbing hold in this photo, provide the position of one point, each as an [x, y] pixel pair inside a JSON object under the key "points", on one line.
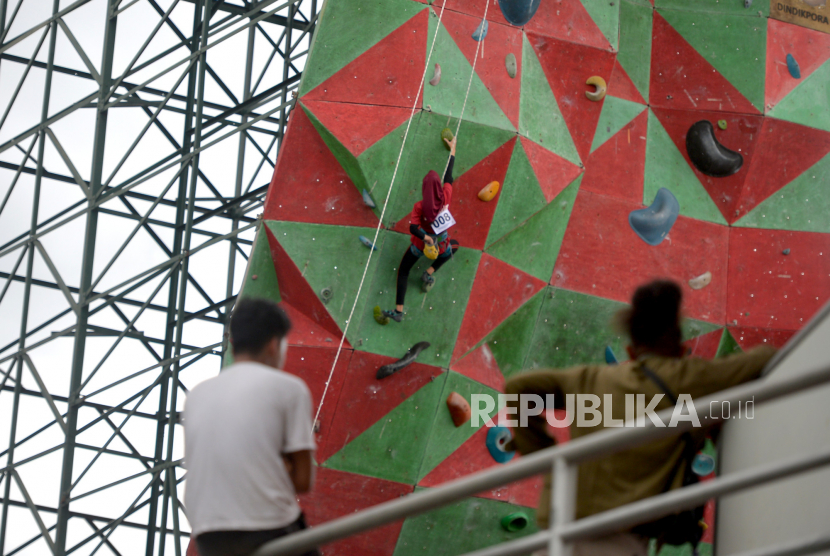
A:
{"points": [[446, 134], [722, 124], [380, 317], [514, 522]]}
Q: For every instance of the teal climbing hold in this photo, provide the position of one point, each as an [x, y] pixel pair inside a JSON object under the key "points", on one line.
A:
{"points": [[497, 437], [610, 358], [367, 198], [518, 12], [481, 31], [703, 464], [792, 65], [654, 222], [368, 243]]}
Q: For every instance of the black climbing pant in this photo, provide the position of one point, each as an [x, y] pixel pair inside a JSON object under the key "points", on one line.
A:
{"points": [[408, 261], [242, 543]]}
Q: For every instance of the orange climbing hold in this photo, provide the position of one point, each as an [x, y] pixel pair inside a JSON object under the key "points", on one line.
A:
{"points": [[459, 409], [489, 191]]}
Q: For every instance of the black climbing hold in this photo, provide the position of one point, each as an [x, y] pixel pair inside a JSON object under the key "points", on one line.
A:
{"points": [[654, 222], [785, 252], [325, 294], [518, 12], [408, 358], [709, 156], [792, 65]]}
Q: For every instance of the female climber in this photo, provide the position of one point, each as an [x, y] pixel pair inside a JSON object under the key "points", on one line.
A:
{"points": [[436, 198]]}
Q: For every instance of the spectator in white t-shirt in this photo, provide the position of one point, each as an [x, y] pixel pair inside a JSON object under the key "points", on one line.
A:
{"points": [[248, 441]]}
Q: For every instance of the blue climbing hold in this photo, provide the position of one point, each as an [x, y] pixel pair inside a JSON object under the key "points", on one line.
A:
{"points": [[653, 223], [367, 199], [365, 241], [792, 65], [610, 358], [703, 464], [481, 31], [518, 12], [497, 437]]}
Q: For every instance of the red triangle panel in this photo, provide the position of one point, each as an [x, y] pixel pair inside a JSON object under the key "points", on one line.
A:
{"points": [[358, 126], [683, 79], [366, 399], [481, 366], [567, 20], [501, 40], [705, 346], [748, 338], [499, 290], [313, 365], [617, 167], [566, 67], [328, 194], [785, 151], [621, 86], [382, 75], [602, 256], [742, 134], [809, 48], [473, 456], [553, 172], [338, 494], [770, 290]]}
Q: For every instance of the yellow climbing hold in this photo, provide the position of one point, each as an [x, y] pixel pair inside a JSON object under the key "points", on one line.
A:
{"points": [[489, 191], [380, 317], [598, 94], [431, 252], [446, 133]]}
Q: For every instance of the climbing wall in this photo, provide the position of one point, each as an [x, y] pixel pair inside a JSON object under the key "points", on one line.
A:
{"points": [[544, 265]]}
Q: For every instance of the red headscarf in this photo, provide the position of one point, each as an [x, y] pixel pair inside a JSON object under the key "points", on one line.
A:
{"points": [[433, 195]]}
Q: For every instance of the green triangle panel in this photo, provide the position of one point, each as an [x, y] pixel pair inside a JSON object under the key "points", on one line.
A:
{"points": [[718, 7], [446, 437], [465, 526], [666, 167], [340, 152], [433, 317], [393, 447], [616, 113], [448, 97], [330, 257], [808, 104], [728, 345], [539, 116], [574, 329], [635, 43], [606, 15], [261, 265], [802, 205], [734, 45], [425, 151], [335, 42], [510, 341], [377, 165], [534, 246], [520, 197]]}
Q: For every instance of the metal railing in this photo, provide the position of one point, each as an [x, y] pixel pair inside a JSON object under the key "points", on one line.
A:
{"points": [[564, 460]]}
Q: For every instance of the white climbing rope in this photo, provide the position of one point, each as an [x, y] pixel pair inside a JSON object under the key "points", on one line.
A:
{"points": [[389, 194]]}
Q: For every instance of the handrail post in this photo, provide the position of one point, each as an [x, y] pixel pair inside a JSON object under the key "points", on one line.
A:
{"points": [[562, 506]]}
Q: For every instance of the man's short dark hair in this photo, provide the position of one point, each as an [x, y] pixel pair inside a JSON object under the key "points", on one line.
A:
{"points": [[653, 320], [255, 322]]}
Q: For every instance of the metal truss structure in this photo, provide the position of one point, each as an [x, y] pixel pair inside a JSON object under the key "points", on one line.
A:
{"points": [[137, 141]]}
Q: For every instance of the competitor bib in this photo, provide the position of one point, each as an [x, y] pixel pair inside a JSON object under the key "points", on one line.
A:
{"points": [[443, 222]]}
